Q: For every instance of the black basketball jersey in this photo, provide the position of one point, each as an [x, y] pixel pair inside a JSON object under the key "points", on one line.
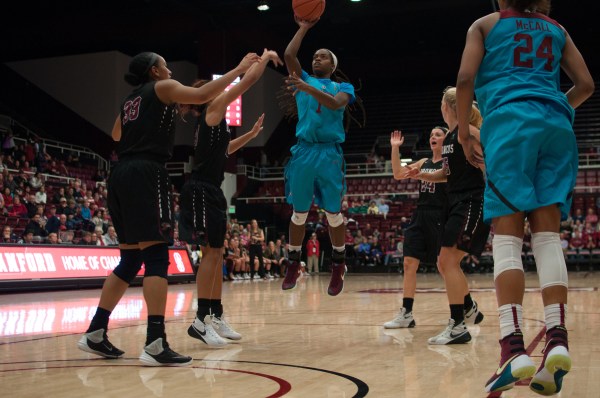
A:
{"points": [[432, 194], [147, 125], [462, 176], [211, 144]]}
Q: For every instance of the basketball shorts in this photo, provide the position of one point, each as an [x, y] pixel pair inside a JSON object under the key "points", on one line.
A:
{"points": [[316, 172], [531, 158], [203, 214], [422, 238], [464, 226], [139, 201]]}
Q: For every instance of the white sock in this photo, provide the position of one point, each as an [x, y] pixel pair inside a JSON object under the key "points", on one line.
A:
{"points": [[555, 315], [511, 319]]}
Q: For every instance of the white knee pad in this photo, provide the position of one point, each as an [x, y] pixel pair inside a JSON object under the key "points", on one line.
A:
{"points": [[549, 259], [299, 218], [335, 220], [507, 254]]}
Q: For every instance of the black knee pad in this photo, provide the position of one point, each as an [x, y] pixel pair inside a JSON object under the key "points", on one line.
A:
{"points": [[156, 260], [130, 265], [338, 257], [294, 255]]}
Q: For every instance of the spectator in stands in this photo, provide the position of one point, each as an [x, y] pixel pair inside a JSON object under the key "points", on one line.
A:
{"points": [[35, 181], [110, 238], [53, 239], [35, 226], [579, 216], [8, 145], [63, 223], [27, 238], [40, 196], [2, 165], [30, 203], [384, 209], [86, 239], [62, 169], [3, 209], [53, 222], [591, 216], [376, 251], [7, 235], [85, 211], [10, 183], [345, 204], [391, 252], [349, 243], [71, 209], [99, 176], [70, 194], [367, 230], [373, 209], [312, 254], [273, 255], [63, 207], [18, 209], [58, 195], [7, 197], [364, 251]]}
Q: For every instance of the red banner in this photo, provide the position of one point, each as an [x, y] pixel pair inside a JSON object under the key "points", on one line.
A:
{"points": [[52, 262]]}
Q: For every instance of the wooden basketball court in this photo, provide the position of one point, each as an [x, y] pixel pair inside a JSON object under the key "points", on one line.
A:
{"points": [[295, 344]]}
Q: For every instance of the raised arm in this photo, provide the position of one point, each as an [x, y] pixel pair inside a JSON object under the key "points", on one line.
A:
{"points": [[291, 51], [217, 108], [400, 172], [171, 91]]}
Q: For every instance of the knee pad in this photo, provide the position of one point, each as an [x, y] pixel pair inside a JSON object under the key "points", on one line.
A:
{"points": [[335, 220], [507, 254], [299, 218], [549, 259], [129, 265], [156, 260]]}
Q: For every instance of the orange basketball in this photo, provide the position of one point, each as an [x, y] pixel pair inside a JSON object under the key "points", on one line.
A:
{"points": [[308, 10]]}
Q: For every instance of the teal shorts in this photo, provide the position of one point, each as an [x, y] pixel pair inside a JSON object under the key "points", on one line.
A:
{"points": [[531, 158], [315, 172]]}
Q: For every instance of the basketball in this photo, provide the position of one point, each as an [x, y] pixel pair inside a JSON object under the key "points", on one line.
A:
{"points": [[308, 10]]}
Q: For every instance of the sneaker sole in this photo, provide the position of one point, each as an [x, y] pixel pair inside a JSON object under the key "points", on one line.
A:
{"points": [[462, 339], [192, 333], [82, 345], [558, 366], [507, 383], [412, 324], [147, 360]]}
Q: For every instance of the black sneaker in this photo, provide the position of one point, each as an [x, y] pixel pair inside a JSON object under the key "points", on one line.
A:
{"points": [[96, 342], [158, 353]]}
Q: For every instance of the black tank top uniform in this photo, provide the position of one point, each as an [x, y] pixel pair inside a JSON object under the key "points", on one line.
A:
{"points": [[147, 126], [463, 178], [211, 144], [432, 194]]}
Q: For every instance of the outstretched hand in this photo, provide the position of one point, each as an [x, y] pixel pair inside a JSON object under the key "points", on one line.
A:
{"points": [[258, 126], [412, 172], [249, 60], [295, 84], [304, 23], [396, 138], [271, 55]]}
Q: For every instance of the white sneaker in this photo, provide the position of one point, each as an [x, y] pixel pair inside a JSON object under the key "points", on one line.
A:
{"points": [[474, 316], [402, 320], [204, 331], [224, 329], [453, 334], [246, 276]]}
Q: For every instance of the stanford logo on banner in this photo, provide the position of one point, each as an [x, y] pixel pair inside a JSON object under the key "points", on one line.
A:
{"points": [[40, 262]]}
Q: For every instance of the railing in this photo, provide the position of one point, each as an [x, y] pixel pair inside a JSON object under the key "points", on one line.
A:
{"points": [[589, 160], [353, 170], [62, 146], [281, 199]]}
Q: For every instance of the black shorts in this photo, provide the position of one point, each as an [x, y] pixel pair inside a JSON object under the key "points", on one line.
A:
{"points": [[139, 201], [422, 238], [464, 225], [203, 214]]}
